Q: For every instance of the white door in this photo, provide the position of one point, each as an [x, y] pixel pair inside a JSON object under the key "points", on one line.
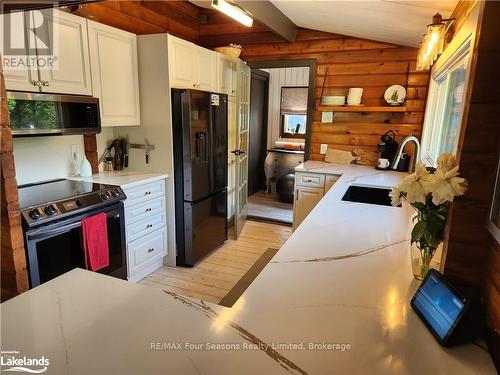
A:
{"points": [[241, 151], [17, 78], [206, 69], [68, 42], [181, 63], [115, 76], [305, 200]]}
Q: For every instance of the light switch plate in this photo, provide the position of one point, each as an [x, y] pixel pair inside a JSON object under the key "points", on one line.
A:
{"points": [[76, 152], [323, 148]]}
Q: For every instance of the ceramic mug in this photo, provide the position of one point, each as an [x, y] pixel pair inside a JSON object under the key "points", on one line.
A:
{"points": [[383, 163], [354, 96]]}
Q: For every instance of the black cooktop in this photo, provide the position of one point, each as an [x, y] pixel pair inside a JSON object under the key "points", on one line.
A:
{"points": [[37, 194]]}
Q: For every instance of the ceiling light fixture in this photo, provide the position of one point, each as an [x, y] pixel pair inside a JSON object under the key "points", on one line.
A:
{"points": [[432, 44], [233, 11]]}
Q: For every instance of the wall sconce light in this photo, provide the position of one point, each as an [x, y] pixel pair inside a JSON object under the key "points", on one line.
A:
{"points": [[432, 44]]}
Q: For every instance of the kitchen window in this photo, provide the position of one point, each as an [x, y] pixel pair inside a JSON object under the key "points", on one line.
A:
{"points": [[293, 110], [445, 105]]}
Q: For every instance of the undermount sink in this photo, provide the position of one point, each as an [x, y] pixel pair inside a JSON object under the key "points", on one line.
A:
{"points": [[370, 195]]}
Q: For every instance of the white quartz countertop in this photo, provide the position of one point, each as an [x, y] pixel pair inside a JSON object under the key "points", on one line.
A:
{"points": [[124, 178], [334, 299]]}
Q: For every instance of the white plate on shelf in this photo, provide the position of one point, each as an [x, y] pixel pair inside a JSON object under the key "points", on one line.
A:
{"points": [[395, 95]]}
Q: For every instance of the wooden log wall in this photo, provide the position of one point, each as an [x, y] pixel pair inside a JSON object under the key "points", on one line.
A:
{"points": [[471, 255], [351, 62], [14, 277]]}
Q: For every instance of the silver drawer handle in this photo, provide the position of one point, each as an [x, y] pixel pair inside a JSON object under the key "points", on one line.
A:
{"points": [[45, 83], [148, 209], [151, 249], [308, 180], [147, 193], [37, 83], [149, 226]]}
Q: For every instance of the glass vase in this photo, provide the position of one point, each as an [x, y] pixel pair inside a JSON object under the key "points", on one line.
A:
{"points": [[423, 260]]}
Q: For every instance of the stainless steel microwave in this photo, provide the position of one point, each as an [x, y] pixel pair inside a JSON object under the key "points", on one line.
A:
{"points": [[49, 114]]}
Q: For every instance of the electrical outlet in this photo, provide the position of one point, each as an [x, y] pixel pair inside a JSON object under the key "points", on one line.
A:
{"points": [[75, 152], [323, 148]]}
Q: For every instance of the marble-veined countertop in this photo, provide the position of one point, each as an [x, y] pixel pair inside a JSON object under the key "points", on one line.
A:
{"points": [[334, 299], [124, 178]]}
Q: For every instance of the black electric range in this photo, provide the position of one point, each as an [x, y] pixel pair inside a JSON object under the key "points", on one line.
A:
{"points": [[52, 214], [48, 201]]}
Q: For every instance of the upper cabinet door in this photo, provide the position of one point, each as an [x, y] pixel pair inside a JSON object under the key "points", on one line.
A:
{"points": [[17, 78], [115, 77], [181, 63], [66, 35], [206, 69], [226, 80]]}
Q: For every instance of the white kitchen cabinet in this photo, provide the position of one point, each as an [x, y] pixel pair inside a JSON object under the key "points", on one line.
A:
{"points": [[66, 38], [310, 187], [115, 76], [145, 228], [305, 200], [226, 77], [205, 74], [17, 79], [191, 66], [181, 63]]}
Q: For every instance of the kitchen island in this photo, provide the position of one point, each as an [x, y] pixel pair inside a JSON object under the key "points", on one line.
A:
{"points": [[334, 299]]}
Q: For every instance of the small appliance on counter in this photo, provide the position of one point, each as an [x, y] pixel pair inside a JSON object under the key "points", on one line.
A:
{"points": [[387, 149]]}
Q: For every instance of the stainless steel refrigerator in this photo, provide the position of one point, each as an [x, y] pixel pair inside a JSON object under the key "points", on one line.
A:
{"points": [[200, 172]]}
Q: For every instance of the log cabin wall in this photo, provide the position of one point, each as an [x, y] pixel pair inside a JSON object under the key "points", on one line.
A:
{"points": [[351, 62], [471, 255], [14, 277]]}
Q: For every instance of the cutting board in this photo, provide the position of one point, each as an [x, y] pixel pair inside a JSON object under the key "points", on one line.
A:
{"points": [[366, 157], [339, 156]]}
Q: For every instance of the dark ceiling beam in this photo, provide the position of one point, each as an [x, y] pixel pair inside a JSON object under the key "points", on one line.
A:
{"points": [[265, 12]]}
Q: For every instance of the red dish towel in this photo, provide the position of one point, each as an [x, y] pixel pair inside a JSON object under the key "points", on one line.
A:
{"points": [[95, 242]]}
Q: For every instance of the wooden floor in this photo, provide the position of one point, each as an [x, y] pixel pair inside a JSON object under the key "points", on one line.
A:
{"points": [[268, 206], [215, 275]]}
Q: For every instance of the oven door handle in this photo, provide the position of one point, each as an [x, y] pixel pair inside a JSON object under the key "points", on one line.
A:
{"points": [[53, 232]]}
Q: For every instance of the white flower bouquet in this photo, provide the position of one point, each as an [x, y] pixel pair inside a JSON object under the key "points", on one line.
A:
{"points": [[429, 191]]}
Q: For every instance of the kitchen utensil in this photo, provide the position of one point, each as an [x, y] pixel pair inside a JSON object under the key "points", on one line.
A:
{"points": [[354, 96], [339, 157], [395, 95]]}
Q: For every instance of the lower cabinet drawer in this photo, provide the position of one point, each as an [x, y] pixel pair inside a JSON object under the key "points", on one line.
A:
{"points": [[140, 251], [145, 226], [144, 192], [144, 210], [310, 179]]}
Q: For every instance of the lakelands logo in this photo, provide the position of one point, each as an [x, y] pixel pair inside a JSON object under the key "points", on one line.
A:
{"points": [[30, 40], [12, 361]]}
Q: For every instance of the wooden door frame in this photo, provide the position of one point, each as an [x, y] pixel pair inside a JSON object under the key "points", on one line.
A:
{"points": [[311, 64]]}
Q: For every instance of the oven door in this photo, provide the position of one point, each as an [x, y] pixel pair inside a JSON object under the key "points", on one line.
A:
{"points": [[55, 249]]}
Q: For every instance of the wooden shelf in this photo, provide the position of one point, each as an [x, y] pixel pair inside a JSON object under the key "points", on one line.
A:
{"points": [[360, 108]]}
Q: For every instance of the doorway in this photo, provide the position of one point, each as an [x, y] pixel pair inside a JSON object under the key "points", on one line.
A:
{"points": [[281, 107]]}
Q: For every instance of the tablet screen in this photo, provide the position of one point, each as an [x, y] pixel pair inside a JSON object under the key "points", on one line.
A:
{"points": [[438, 305]]}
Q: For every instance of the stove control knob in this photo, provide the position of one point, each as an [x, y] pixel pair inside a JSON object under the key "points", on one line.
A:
{"points": [[35, 214], [104, 196], [50, 210], [115, 193]]}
